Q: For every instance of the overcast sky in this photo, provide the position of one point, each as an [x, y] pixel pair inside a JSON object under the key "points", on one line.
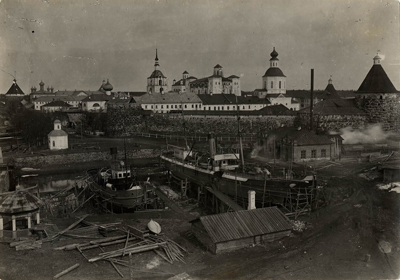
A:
{"points": [[75, 44]]}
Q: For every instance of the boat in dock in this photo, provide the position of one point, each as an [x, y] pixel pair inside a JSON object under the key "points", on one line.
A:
{"points": [[117, 186], [223, 172]]}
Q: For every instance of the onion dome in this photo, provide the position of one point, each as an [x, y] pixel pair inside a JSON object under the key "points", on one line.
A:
{"points": [[108, 86], [41, 83], [274, 55]]}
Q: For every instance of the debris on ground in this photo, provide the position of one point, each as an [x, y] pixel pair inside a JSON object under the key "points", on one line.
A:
{"points": [[385, 247], [391, 187], [298, 226]]}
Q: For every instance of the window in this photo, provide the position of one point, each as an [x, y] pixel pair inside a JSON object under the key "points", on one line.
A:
{"points": [[167, 106], [303, 154], [162, 106], [156, 106], [280, 83], [227, 108], [119, 175], [272, 84], [160, 82], [185, 106], [54, 143], [243, 107], [151, 106], [313, 153], [222, 108], [323, 153], [192, 106]]}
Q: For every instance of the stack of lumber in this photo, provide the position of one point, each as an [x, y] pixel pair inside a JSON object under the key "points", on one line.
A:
{"points": [[84, 229], [133, 241]]}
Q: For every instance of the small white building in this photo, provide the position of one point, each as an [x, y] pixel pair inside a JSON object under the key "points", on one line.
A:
{"points": [[58, 138]]}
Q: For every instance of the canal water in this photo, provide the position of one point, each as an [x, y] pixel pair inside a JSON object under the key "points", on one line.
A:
{"points": [[53, 183]]}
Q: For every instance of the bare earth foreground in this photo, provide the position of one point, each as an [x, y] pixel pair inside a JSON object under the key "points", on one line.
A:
{"points": [[342, 241]]}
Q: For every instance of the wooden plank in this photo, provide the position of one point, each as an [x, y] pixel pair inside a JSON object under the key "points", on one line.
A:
{"points": [[113, 265], [66, 271], [70, 227], [126, 243], [162, 256]]}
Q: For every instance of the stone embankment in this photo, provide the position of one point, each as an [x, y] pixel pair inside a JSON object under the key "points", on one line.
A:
{"points": [[36, 161]]}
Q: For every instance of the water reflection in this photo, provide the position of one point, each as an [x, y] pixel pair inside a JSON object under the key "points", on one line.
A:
{"points": [[51, 183]]}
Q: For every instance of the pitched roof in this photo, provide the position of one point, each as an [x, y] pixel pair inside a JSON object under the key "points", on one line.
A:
{"points": [[18, 202], [59, 132], [246, 223], [157, 74], [57, 103], [346, 94], [233, 76], [276, 110], [226, 99], [303, 137], [318, 94], [377, 81], [168, 97], [15, 89], [97, 97], [274, 72], [335, 107]]}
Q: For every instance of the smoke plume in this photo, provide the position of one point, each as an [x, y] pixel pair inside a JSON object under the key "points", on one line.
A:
{"points": [[371, 134]]}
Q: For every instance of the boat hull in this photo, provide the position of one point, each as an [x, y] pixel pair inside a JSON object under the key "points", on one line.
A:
{"points": [[128, 199]]}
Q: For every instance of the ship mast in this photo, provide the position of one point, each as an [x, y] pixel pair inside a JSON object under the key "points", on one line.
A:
{"points": [[239, 135]]}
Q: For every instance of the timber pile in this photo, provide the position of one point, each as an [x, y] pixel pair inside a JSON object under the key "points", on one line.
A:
{"points": [[133, 241], [84, 229]]}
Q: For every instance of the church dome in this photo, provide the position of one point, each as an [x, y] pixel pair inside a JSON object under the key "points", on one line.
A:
{"points": [[274, 54], [41, 83], [108, 86], [274, 72]]}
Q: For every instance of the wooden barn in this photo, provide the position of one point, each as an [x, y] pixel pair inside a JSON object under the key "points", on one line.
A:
{"points": [[234, 230]]}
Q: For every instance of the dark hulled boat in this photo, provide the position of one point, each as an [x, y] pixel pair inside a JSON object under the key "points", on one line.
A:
{"points": [[117, 185], [221, 171]]}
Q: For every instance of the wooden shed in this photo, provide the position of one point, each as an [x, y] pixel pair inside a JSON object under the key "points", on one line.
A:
{"points": [[234, 230]]}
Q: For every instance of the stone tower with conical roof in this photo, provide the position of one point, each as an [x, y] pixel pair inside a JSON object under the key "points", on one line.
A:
{"points": [[378, 98], [274, 81], [157, 82]]}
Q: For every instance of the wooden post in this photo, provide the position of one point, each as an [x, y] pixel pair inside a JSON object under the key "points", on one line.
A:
{"points": [[66, 271], [265, 185], [14, 224], [130, 266], [1, 223], [29, 222]]}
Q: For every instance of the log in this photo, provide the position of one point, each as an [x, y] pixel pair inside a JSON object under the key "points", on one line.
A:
{"points": [[162, 256], [179, 246], [16, 243], [29, 246], [113, 265], [99, 241], [126, 243], [106, 244], [135, 250], [70, 227], [66, 271]]}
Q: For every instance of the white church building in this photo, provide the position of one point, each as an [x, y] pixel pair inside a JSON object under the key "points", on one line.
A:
{"points": [[58, 138]]}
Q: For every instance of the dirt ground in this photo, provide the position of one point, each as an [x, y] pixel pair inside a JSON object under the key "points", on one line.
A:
{"points": [[342, 241]]}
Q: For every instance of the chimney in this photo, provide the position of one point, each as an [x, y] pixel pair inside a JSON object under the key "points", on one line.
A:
{"points": [[252, 200], [312, 100], [211, 141]]}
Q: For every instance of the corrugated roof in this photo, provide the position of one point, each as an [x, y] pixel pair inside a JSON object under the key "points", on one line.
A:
{"points": [[377, 81], [247, 223]]}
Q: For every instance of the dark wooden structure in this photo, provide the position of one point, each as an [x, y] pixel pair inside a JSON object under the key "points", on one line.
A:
{"points": [[234, 230]]}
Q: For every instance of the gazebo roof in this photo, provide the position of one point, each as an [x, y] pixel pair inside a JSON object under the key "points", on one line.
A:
{"points": [[19, 202]]}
